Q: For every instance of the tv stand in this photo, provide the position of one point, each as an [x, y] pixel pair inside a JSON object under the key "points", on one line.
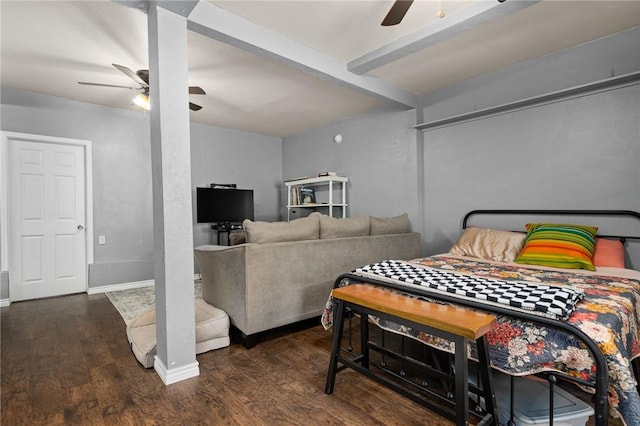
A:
{"points": [[222, 227]]}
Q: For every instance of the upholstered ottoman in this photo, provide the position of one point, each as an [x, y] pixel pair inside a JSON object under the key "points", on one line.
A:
{"points": [[212, 332]]}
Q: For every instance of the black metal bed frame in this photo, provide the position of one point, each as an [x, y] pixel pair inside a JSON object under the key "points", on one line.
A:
{"points": [[620, 213], [600, 399]]}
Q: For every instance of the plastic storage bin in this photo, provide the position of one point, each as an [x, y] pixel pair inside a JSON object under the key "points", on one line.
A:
{"points": [[531, 403]]}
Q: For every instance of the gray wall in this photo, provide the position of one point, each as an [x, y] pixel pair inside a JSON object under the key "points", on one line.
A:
{"points": [[580, 153], [249, 160], [377, 154], [573, 154], [122, 198], [121, 176]]}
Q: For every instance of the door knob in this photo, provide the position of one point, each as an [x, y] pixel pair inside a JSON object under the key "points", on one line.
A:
{"points": [[80, 227]]}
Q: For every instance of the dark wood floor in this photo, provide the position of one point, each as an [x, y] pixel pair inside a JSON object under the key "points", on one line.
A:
{"points": [[66, 361]]}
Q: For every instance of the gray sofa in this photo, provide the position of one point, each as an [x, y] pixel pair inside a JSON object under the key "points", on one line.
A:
{"points": [[284, 271]]}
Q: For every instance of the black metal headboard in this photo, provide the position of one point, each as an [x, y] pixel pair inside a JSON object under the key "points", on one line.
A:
{"points": [[619, 213]]}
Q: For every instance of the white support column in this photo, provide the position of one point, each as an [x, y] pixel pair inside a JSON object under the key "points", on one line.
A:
{"points": [[171, 169]]}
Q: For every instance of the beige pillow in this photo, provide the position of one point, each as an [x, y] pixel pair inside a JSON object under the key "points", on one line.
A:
{"points": [[237, 237], [390, 225], [306, 228], [490, 244], [331, 227]]}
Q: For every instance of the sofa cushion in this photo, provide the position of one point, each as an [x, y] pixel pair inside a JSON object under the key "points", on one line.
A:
{"points": [[306, 228], [390, 225], [237, 237], [331, 227]]}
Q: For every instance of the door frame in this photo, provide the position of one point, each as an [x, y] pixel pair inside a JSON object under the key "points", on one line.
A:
{"points": [[12, 137]]}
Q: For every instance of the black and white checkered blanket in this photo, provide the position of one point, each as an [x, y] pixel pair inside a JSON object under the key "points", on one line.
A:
{"points": [[544, 300]]}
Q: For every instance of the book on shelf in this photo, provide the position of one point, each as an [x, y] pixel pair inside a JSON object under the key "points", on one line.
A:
{"points": [[307, 196], [302, 196]]}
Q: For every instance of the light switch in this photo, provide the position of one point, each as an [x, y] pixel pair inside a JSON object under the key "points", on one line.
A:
{"points": [[102, 239]]}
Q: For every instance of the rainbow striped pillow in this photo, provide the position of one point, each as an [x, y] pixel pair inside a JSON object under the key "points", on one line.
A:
{"points": [[559, 246]]}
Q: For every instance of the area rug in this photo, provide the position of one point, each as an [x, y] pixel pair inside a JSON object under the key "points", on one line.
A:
{"points": [[133, 302]]}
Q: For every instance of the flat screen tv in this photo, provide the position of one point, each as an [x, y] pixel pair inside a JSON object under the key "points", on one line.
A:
{"points": [[215, 205]]}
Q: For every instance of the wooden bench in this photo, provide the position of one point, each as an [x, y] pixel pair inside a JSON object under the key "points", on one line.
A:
{"points": [[456, 324]]}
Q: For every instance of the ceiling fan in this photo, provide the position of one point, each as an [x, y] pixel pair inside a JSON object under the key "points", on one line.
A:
{"points": [[400, 8], [142, 78]]}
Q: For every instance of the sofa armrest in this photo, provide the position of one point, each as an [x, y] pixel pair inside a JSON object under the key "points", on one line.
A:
{"points": [[223, 270]]}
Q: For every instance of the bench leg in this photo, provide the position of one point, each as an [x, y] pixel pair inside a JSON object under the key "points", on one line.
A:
{"points": [[461, 383], [484, 365], [364, 340], [338, 324]]}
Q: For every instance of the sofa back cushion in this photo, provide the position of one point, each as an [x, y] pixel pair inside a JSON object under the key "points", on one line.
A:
{"points": [[331, 227], [306, 228], [390, 225], [237, 237]]}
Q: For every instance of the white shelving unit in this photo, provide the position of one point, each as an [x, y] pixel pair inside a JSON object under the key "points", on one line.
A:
{"points": [[337, 183]]}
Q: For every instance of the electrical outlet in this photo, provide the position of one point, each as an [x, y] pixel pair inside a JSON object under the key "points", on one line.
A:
{"points": [[102, 239]]}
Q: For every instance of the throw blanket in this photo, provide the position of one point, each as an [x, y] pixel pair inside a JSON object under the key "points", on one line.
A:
{"points": [[549, 301], [609, 312]]}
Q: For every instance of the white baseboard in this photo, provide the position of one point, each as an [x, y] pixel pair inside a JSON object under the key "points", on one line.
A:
{"points": [[112, 287], [101, 289], [117, 287], [123, 286], [175, 375]]}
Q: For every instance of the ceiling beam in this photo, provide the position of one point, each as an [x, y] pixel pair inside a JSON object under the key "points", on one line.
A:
{"points": [[142, 5], [179, 7], [474, 16], [224, 26]]}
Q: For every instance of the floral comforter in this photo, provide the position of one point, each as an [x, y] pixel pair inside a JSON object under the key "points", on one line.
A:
{"points": [[609, 313]]}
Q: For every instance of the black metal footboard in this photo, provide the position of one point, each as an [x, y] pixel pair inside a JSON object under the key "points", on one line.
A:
{"points": [[601, 405]]}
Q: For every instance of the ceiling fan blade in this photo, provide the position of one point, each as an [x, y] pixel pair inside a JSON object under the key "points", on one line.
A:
{"points": [[107, 85], [131, 74], [196, 90], [396, 13], [194, 107]]}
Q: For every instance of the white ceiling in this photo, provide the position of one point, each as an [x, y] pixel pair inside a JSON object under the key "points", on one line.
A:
{"points": [[282, 67]]}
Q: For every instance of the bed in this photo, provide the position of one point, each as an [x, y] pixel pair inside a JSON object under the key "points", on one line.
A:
{"points": [[588, 333]]}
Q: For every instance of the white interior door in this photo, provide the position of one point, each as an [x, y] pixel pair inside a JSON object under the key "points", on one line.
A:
{"points": [[46, 209]]}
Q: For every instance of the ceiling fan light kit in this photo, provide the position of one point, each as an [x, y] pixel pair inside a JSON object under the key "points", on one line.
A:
{"points": [[142, 100], [142, 78]]}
